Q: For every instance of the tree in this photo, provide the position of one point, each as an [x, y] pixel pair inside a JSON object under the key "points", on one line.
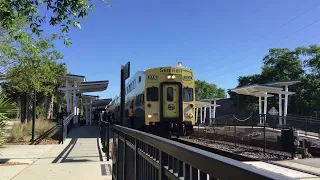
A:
{"points": [[204, 90], [35, 67], [65, 13], [282, 64]]}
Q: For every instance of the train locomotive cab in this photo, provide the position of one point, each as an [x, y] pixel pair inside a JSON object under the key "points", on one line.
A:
{"points": [[169, 104]]}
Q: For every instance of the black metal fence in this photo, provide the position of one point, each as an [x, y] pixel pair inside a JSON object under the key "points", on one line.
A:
{"points": [[138, 155], [104, 128], [66, 126]]}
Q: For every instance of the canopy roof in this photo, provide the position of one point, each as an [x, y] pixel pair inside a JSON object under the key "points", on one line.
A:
{"points": [[200, 104], [283, 83], [260, 90], [71, 78], [91, 86], [210, 100]]}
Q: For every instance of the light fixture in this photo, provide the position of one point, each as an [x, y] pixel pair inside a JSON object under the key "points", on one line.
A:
{"points": [[169, 77], [173, 76], [149, 116]]}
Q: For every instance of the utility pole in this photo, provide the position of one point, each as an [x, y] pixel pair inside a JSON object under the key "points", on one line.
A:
{"points": [[34, 115], [125, 74]]}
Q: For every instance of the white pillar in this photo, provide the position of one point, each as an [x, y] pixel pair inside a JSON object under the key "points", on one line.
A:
{"points": [[210, 117], [201, 115], [265, 108], [280, 109], [197, 113], [205, 115], [285, 105], [67, 98], [74, 104], [90, 112], [214, 108], [260, 109]]}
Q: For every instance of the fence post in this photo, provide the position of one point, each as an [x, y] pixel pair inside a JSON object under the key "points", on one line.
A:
{"points": [[136, 163], [235, 132], [108, 142], [62, 130], [264, 135]]}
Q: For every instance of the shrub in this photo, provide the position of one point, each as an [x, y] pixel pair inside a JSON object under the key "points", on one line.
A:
{"points": [[6, 108], [23, 132]]}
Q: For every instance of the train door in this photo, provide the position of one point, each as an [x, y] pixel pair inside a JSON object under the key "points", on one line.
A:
{"points": [[171, 101]]}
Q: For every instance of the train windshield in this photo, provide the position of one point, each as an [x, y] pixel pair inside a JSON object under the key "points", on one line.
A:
{"points": [[152, 94], [187, 94]]}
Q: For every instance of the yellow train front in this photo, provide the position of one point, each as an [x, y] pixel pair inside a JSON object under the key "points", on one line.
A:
{"points": [[169, 101]]}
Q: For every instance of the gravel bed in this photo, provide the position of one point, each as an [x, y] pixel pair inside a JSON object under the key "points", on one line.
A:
{"points": [[247, 151], [270, 135]]}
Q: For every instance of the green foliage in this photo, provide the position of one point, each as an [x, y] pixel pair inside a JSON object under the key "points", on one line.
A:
{"points": [[65, 13], [204, 90], [282, 64], [34, 64], [6, 107]]}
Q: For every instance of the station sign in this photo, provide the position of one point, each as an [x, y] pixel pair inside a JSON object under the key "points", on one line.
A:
{"points": [[126, 71]]}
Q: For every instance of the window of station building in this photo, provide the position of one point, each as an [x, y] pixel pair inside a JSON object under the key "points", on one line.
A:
{"points": [[170, 94], [187, 94], [152, 94]]}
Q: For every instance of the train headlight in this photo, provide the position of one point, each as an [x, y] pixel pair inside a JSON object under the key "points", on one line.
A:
{"points": [[169, 77], [149, 116], [190, 115], [173, 76]]}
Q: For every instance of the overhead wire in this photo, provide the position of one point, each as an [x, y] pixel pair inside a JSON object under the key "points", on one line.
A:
{"points": [[279, 27], [252, 53], [311, 37]]}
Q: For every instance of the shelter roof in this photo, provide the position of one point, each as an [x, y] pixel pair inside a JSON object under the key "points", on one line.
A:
{"points": [[260, 90]]}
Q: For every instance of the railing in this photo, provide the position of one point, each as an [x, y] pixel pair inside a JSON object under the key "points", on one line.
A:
{"points": [[66, 126], [139, 155], [104, 128]]}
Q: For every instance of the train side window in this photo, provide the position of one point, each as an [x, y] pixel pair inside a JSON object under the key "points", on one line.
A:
{"points": [[187, 94], [139, 79], [142, 97], [170, 94], [152, 94]]}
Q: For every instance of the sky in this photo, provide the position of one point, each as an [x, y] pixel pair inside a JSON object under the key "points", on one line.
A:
{"points": [[219, 39]]}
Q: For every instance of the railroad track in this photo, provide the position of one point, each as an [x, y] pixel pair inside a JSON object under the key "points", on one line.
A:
{"points": [[271, 145], [239, 157]]}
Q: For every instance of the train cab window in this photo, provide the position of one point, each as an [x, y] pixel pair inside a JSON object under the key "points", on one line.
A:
{"points": [[170, 94], [152, 94], [187, 94]]}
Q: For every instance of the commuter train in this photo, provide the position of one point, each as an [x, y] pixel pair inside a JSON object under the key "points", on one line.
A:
{"points": [[163, 100]]}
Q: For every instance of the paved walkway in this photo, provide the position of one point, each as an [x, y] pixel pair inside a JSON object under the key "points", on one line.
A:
{"points": [[80, 157]]}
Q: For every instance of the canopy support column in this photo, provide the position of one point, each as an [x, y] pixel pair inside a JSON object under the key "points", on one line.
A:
{"points": [[90, 112], [201, 114], [205, 115], [74, 105], [260, 109], [285, 105], [280, 109], [265, 108]]}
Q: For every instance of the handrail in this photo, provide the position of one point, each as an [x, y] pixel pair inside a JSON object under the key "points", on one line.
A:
{"points": [[66, 126], [152, 149]]}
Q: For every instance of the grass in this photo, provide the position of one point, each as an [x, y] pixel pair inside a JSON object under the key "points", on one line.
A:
{"points": [[23, 132]]}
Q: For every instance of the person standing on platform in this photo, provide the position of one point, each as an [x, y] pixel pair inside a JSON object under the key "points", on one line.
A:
{"points": [[131, 115]]}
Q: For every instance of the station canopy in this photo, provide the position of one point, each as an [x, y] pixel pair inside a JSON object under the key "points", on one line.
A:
{"points": [[90, 86], [261, 90], [71, 78]]}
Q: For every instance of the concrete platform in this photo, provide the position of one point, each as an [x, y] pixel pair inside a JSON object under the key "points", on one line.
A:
{"points": [[80, 157], [284, 171], [311, 165]]}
